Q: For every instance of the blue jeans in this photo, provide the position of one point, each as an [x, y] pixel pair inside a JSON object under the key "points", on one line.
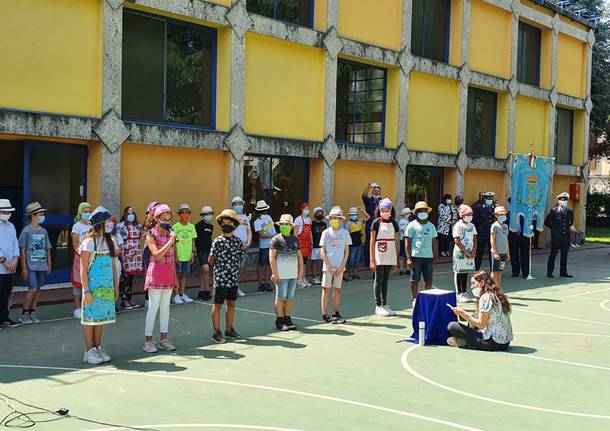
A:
{"points": [[355, 251], [183, 266], [285, 289], [36, 280]]}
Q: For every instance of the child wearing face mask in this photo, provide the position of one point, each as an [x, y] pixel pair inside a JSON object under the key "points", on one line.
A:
{"points": [[383, 255], [243, 231], [130, 232], [303, 231], [406, 217], [203, 243], [118, 241], [355, 226], [186, 234], [318, 225], [499, 254], [421, 248], [464, 252], [80, 228]]}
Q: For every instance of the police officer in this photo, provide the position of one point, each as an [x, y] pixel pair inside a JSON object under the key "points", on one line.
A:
{"points": [[559, 221], [483, 218], [519, 246]]}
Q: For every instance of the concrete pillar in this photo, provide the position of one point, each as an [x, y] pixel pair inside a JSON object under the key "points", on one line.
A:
{"points": [[588, 108], [464, 77], [513, 89]]}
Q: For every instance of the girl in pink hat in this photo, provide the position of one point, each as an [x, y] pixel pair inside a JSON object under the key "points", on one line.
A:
{"points": [[464, 252]]}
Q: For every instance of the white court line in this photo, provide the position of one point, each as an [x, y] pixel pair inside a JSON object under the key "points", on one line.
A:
{"points": [[594, 322], [578, 295], [603, 304], [228, 426], [405, 363], [249, 386]]}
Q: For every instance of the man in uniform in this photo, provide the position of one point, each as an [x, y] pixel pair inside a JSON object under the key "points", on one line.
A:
{"points": [[559, 221], [483, 218]]}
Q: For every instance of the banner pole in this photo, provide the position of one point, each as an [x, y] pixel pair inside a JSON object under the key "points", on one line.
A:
{"points": [[530, 276]]}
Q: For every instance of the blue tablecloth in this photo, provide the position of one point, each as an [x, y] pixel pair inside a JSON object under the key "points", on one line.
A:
{"points": [[431, 307]]}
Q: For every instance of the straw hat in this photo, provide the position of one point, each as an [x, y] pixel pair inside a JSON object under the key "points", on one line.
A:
{"points": [[230, 214], [207, 210], [34, 208], [184, 207], [405, 211], [5, 205], [261, 206], [421, 205], [286, 219], [336, 212], [353, 211], [237, 200]]}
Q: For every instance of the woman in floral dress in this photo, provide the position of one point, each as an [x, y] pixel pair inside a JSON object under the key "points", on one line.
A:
{"points": [[131, 232]]}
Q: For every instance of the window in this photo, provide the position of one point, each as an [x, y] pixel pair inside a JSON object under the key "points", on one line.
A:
{"points": [[298, 12], [360, 103], [168, 71], [430, 29], [424, 183], [564, 134], [528, 56], [481, 122]]}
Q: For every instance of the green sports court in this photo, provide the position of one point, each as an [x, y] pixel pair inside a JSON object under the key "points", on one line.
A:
{"points": [[358, 376]]}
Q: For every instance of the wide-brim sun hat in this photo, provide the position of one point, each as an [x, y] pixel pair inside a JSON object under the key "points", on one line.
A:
{"points": [[261, 206], [5, 205], [353, 211], [230, 214], [286, 219], [34, 208], [500, 210], [336, 212], [207, 210], [99, 215], [161, 209], [421, 205], [237, 200]]}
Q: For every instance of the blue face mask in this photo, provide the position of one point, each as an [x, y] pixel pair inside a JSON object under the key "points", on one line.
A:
{"points": [[489, 202], [238, 208], [502, 218], [305, 212], [86, 216], [208, 217], [41, 219], [165, 225], [131, 218], [422, 216]]}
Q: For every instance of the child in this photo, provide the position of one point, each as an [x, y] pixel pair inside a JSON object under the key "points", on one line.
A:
{"points": [[203, 244], [405, 218], [318, 225], [9, 258], [383, 256], [130, 231], [266, 230], [334, 243], [499, 254], [35, 250], [161, 277], [303, 231], [421, 248], [225, 258], [100, 281], [80, 228], [286, 268], [149, 223], [464, 252], [185, 251], [243, 231], [355, 226]]}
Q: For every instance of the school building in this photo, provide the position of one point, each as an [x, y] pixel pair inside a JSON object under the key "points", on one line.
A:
{"points": [[125, 102]]}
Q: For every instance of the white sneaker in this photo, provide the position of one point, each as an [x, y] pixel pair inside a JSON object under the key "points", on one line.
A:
{"points": [[34, 318], [78, 313], [389, 310], [92, 357], [413, 303], [146, 303], [240, 292], [306, 283], [317, 280], [381, 311], [178, 300], [462, 298], [186, 299], [25, 319], [102, 354]]}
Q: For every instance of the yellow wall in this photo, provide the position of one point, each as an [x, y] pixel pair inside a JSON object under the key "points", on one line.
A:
{"points": [[450, 181], [320, 15], [51, 56], [502, 125], [392, 107], [284, 89], [477, 180], [455, 32], [571, 66], [561, 183], [531, 124], [174, 176], [578, 151], [378, 25], [546, 54], [315, 182], [226, 3], [490, 39], [433, 114], [351, 177]]}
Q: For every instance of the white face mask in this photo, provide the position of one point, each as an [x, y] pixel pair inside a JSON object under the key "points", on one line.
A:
{"points": [[448, 201], [5, 217], [489, 202], [476, 292], [563, 203], [468, 218]]}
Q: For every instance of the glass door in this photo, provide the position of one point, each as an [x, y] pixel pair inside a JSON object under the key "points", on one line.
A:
{"points": [[424, 184], [55, 175]]}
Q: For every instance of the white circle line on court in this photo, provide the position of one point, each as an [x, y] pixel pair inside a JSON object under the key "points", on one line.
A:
{"points": [[250, 386], [594, 322], [578, 295], [404, 360], [604, 306], [228, 426], [577, 334]]}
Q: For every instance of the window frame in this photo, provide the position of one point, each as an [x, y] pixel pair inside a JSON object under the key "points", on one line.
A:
{"points": [[521, 50], [310, 19], [193, 26], [383, 106], [494, 122], [447, 36], [571, 151]]}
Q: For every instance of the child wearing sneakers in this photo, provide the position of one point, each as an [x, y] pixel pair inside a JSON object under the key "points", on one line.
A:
{"points": [[334, 243], [383, 255], [318, 225], [499, 253], [303, 231], [185, 251], [205, 230], [355, 226], [286, 268], [35, 250], [265, 229], [464, 252], [405, 218]]}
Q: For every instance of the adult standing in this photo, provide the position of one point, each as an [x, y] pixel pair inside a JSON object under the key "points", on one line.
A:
{"points": [[559, 221], [519, 249], [9, 256], [371, 196], [483, 218], [447, 216]]}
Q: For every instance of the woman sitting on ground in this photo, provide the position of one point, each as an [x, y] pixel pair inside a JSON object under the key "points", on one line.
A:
{"points": [[493, 327]]}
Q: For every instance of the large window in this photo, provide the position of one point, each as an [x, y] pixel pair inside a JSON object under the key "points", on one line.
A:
{"points": [[564, 136], [528, 56], [430, 29], [481, 122], [168, 71], [360, 103], [424, 183], [298, 12]]}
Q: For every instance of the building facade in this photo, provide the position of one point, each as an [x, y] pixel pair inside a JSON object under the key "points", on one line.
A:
{"points": [[292, 101]]}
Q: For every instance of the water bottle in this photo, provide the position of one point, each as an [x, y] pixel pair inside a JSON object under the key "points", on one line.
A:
{"points": [[422, 333]]}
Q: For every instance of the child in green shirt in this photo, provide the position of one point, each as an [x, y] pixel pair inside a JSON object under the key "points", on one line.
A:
{"points": [[185, 251]]}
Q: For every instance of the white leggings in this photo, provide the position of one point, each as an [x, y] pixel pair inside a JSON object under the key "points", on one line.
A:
{"points": [[159, 301]]}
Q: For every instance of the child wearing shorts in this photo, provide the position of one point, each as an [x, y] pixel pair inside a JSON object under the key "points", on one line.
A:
{"points": [[499, 253], [185, 251], [318, 225]]}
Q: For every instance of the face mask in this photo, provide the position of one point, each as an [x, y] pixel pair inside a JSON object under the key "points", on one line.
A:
{"points": [[335, 223], [489, 202], [305, 212], [108, 227], [238, 208], [131, 218], [165, 225], [319, 217], [185, 217], [41, 219], [285, 230], [422, 216], [563, 203], [208, 217], [476, 292], [502, 218], [468, 218], [353, 218], [227, 228], [448, 201], [5, 217], [86, 216]]}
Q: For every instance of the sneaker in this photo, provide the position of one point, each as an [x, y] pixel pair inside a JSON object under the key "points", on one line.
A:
{"points": [[102, 354], [381, 311], [306, 283], [389, 310], [25, 319], [167, 345], [280, 324], [291, 325], [178, 300], [201, 294], [207, 295], [300, 283], [317, 280], [133, 304], [455, 342], [346, 278], [149, 347], [117, 309], [326, 318], [413, 303], [77, 313], [240, 292], [34, 318], [186, 299], [218, 338], [337, 318], [92, 357], [10, 323], [232, 333], [126, 305]]}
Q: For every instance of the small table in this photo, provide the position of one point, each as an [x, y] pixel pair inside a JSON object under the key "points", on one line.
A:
{"points": [[431, 307]]}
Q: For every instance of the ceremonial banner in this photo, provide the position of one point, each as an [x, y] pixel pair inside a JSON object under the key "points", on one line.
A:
{"points": [[530, 186]]}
